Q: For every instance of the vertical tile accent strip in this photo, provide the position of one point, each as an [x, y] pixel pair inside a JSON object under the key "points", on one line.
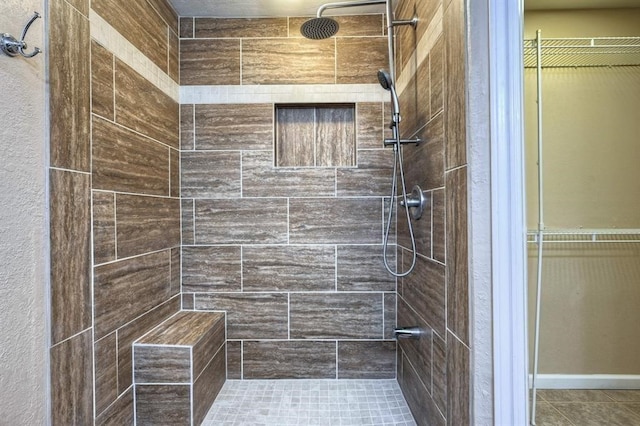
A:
{"points": [[72, 381], [457, 254], [458, 382], [70, 77], [455, 93], [70, 227]]}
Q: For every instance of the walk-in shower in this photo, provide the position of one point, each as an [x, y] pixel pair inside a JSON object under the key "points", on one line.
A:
{"points": [[322, 27]]}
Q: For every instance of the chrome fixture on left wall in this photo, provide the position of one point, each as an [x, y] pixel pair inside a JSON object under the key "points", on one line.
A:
{"points": [[13, 47]]}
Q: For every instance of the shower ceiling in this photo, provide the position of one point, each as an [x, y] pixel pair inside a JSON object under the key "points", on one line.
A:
{"points": [[264, 8]]}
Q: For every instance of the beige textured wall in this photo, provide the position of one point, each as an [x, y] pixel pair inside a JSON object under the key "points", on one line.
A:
{"points": [[23, 245], [591, 154]]}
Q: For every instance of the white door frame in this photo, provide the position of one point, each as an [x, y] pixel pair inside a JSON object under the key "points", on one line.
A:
{"points": [[508, 217]]}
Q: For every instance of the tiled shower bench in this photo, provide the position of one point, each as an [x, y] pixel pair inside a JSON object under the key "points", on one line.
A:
{"points": [[179, 368]]}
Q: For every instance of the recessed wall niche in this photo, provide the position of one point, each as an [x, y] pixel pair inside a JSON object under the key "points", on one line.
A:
{"points": [[315, 135]]}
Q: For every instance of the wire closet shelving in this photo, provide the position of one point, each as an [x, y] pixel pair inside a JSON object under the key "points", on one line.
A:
{"points": [[542, 53], [583, 52]]}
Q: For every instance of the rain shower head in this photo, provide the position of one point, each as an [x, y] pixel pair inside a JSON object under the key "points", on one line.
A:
{"points": [[387, 84], [319, 28]]}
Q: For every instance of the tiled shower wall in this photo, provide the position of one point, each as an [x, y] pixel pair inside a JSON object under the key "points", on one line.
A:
{"points": [[114, 197], [434, 372], [293, 255]]}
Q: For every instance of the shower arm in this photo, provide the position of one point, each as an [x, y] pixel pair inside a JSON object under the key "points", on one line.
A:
{"points": [[342, 4], [338, 5]]}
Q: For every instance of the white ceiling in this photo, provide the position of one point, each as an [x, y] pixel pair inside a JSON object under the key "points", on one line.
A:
{"points": [[265, 8]]}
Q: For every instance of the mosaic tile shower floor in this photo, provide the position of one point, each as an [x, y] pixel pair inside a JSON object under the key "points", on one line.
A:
{"points": [[309, 402]]}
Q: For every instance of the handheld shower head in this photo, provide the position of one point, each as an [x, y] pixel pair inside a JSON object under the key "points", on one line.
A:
{"points": [[385, 81], [319, 28]]}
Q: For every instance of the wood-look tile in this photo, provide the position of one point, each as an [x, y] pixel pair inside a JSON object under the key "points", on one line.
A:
{"points": [[409, 109], [174, 173], [104, 227], [425, 162], [139, 23], [406, 40], [207, 386], [439, 370], [176, 262], [127, 289], [70, 94], [288, 268], [390, 315], [270, 61], [359, 59], [187, 27], [120, 413], [423, 93], [458, 382], [426, 11], [187, 127], [211, 269], [289, 360], [323, 316], [250, 315], [188, 302], [335, 144], [595, 414], [350, 25], [422, 406], [135, 329], [234, 360], [209, 62], [146, 224], [72, 380], [455, 90], [360, 268], [366, 360], [418, 352], [241, 221], [188, 214], [106, 371], [439, 232], [295, 136], [335, 221], [102, 81], [436, 70], [166, 12], [261, 179], [144, 108], [70, 236], [161, 364], [81, 5], [128, 162], [369, 125], [457, 253], [163, 404], [424, 290], [574, 395], [234, 127], [421, 228], [623, 395], [173, 68], [547, 415], [204, 332], [372, 177], [240, 27], [211, 174]]}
